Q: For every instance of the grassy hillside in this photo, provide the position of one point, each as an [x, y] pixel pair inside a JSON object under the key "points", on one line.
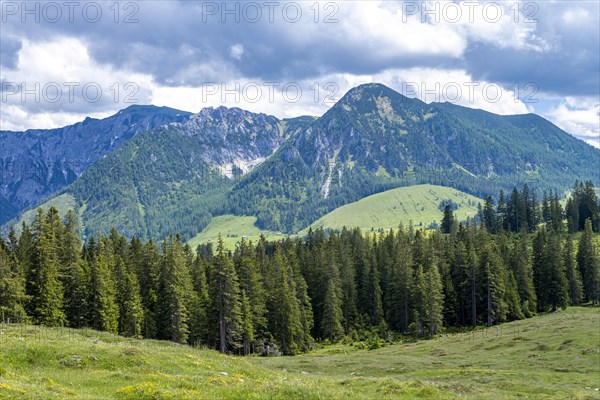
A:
{"points": [[232, 228], [419, 203], [63, 203], [552, 356]]}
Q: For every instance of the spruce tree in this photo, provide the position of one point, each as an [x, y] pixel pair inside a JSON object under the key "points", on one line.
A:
{"points": [[304, 338], [226, 298], [572, 214], [434, 301], [489, 215], [538, 266], [196, 305], [573, 274], [44, 276], [12, 288], [131, 313], [174, 294], [147, 261], [314, 269], [398, 314], [284, 306], [451, 306], [24, 251], [492, 281], [247, 326], [12, 241], [588, 205], [104, 310], [555, 281], [556, 214], [511, 296], [448, 219], [588, 261], [459, 275], [199, 330], [472, 281], [532, 209], [347, 280], [418, 302], [521, 267], [502, 212], [546, 214], [515, 211], [360, 256], [251, 282], [371, 283], [331, 324], [74, 275], [549, 271]]}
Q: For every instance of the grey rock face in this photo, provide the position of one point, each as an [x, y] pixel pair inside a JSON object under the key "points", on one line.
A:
{"points": [[235, 140]]}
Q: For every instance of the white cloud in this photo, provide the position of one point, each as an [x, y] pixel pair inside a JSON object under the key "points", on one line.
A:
{"points": [[385, 30], [236, 51], [575, 15], [389, 31], [503, 24], [15, 118], [67, 60], [453, 86], [61, 84], [432, 27], [282, 99], [580, 117]]}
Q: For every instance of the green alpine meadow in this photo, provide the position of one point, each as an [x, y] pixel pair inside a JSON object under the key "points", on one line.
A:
{"points": [[299, 200], [554, 355], [399, 313]]}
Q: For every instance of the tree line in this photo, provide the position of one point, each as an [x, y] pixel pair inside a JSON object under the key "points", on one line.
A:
{"points": [[523, 209], [279, 297]]}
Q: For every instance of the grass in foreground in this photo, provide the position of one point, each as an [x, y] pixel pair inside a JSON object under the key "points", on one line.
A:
{"points": [[554, 356]]}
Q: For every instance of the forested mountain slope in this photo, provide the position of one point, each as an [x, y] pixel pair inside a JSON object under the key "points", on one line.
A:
{"points": [[39, 162], [289, 173]]}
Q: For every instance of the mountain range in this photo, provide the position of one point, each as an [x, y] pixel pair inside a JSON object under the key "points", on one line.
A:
{"points": [[152, 171], [38, 163]]}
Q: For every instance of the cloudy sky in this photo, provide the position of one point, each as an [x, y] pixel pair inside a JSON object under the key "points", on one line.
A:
{"points": [[63, 61]]}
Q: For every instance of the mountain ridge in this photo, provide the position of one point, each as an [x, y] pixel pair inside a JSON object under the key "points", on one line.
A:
{"points": [[290, 172], [38, 163], [375, 139]]}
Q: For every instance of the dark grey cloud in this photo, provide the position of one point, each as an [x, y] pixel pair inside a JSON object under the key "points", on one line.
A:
{"points": [[9, 51], [169, 37], [181, 43], [569, 67], [175, 43], [165, 39]]}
